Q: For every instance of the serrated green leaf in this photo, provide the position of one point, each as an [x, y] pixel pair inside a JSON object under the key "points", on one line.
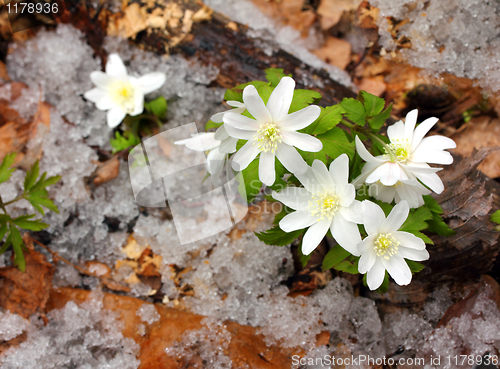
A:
{"points": [[437, 225], [31, 176], [51, 181], [123, 142], [336, 143], [232, 95], [278, 237], [302, 99], [8, 242], [354, 111], [417, 220], [157, 106], [335, 256], [3, 230], [32, 225], [285, 210], [256, 84], [274, 75], [373, 104], [495, 217], [265, 92], [349, 265], [378, 121], [39, 184], [329, 118], [249, 177], [309, 157], [17, 242], [210, 124], [5, 168], [415, 266], [432, 204]]}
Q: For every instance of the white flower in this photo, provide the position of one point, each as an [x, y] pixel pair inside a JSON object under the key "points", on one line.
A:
{"points": [[386, 248], [408, 155], [206, 142], [239, 108], [410, 190], [119, 93], [273, 131], [326, 202]]}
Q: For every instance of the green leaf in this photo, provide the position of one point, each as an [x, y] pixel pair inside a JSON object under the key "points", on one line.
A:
{"points": [[354, 110], [3, 231], [32, 225], [265, 92], [303, 98], [256, 84], [8, 242], [123, 142], [373, 104], [232, 95], [378, 121], [415, 266], [274, 75], [437, 225], [349, 265], [285, 210], [432, 204], [417, 220], [31, 176], [278, 237], [249, 177], [157, 106], [210, 124], [309, 157], [329, 118], [383, 287], [335, 256], [5, 168], [336, 143], [495, 217], [17, 242]]}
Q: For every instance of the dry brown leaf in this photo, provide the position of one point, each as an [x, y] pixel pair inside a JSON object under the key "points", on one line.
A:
{"points": [[26, 293], [246, 347], [481, 132], [335, 51], [106, 171], [374, 85], [132, 249], [330, 11]]}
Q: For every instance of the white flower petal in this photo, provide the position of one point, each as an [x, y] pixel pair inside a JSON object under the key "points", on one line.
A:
{"points": [[291, 159], [297, 220], [323, 175], [215, 162], [368, 257], [419, 168], [302, 141], [235, 104], [241, 122], [412, 254], [368, 244], [383, 193], [396, 218], [281, 98], [255, 105], [296, 198], [396, 131], [267, 173], [339, 171], [388, 174], [101, 79], [375, 276], [105, 103], [432, 181], [95, 94], [409, 240], [204, 141], [422, 130], [346, 234], [410, 122], [373, 217], [217, 117], [431, 149], [309, 181], [346, 195], [115, 67], [398, 269], [314, 235], [365, 155], [353, 213], [239, 133], [138, 102], [151, 82], [300, 119], [228, 146], [368, 168], [115, 116], [221, 133], [245, 156]]}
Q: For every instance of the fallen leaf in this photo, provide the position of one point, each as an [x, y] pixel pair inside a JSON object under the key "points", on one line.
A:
{"points": [[374, 85], [481, 132], [335, 51], [106, 171], [330, 11], [246, 347], [26, 293]]}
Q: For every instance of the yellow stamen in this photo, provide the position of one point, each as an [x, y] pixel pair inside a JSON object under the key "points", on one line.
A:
{"points": [[267, 137], [386, 246], [400, 149], [122, 93], [324, 205]]}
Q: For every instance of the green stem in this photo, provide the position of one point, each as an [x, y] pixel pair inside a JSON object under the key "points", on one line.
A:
{"points": [[13, 201], [2, 205]]}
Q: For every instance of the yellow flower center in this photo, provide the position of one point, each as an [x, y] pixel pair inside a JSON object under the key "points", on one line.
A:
{"points": [[401, 150], [324, 205], [267, 137], [386, 245], [122, 93]]}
